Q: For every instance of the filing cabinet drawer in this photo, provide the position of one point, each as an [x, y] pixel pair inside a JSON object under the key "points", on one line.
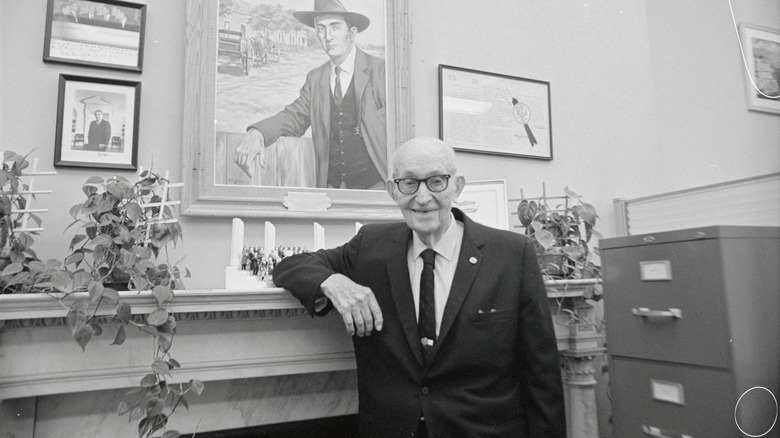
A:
{"points": [[652, 399], [667, 302]]}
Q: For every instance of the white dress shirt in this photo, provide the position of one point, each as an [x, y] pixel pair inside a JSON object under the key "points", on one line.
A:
{"points": [[447, 253], [347, 71]]}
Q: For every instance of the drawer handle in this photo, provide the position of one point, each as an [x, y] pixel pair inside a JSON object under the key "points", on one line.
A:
{"points": [[647, 313], [658, 433]]}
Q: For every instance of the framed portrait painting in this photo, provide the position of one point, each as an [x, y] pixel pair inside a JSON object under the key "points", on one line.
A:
{"points": [[761, 50], [495, 113], [97, 123], [104, 34], [266, 64]]}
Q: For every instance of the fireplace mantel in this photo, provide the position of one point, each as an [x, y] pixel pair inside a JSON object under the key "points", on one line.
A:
{"points": [[225, 335]]}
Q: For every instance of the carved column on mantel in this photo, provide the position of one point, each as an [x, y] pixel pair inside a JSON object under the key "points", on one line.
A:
{"points": [[580, 344]]}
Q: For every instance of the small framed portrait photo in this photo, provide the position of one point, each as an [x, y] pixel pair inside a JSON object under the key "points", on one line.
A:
{"points": [[97, 123], [104, 34]]}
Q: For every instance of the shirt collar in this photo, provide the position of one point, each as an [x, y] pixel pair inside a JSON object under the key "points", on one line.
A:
{"points": [[348, 66], [445, 247]]}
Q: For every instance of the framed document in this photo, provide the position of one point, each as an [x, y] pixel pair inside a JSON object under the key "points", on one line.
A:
{"points": [[105, 34], [494, 114]]}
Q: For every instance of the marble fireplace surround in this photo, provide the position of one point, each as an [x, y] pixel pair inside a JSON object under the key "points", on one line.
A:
{"points": [[263, 359]]}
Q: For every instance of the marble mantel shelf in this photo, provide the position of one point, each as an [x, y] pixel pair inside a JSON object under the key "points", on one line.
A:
{"points": [[27, 306], [24, 306]]}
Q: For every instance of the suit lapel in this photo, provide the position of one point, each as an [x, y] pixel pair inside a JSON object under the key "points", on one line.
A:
{"points": [[323, 97], [469, 262], [360, 77], [401, 289]]}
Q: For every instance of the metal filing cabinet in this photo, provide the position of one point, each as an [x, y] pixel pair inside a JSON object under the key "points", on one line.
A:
{"points": [[693, 332]]}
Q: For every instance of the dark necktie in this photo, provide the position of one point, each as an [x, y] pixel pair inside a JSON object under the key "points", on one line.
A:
{"points": [[337, 94], [427, 322]]}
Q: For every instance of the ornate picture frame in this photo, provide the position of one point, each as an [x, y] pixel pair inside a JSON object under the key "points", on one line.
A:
{"points": [[206, 195], [97, 123], [494, 113], [761, 45], [103, 34]]}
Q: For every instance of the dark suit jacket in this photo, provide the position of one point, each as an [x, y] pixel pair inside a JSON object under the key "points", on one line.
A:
{"points": [[99, 133], [312, 108], [495, 372]]}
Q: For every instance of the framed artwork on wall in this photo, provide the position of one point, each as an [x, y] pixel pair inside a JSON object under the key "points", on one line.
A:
{"points": [[761, 51], [97, 123], [250, 64], [494, 113], [104, 34], [485, 202]]}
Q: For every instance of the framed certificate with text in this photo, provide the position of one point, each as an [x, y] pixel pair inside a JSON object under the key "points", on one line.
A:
{"points": [[494, 114]]}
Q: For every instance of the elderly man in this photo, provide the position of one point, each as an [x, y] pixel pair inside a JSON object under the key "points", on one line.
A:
{"points": [[453, 331], [99, 134], [344, 103]]}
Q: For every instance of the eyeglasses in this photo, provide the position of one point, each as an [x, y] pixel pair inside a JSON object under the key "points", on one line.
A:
{"points": [[435, 184]]}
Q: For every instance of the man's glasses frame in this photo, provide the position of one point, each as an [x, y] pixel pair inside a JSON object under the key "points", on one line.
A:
{"points": [[435, 184]]}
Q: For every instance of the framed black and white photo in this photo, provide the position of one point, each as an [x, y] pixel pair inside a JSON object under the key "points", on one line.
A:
{"points": [[250, 64], [105, 34], [761, 50], [495, 113], [97, 123]]}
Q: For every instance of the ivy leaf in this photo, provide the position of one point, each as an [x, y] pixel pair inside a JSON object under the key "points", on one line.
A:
{"points": [[174, 363], [119, 339], [196, 386], [96, 180], [62, 281], [545, 238], [124, 408], [95, 291], [111, 295], [11, 269], [135, 414], [158, 317], [134, 211], [83, 335], [171, 434], [123, 312], [78, 238], [163, 294], [149, 380], [160, 366]]}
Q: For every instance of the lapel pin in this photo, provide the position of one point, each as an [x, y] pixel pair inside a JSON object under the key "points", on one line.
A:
{"points": [[473, 260]]}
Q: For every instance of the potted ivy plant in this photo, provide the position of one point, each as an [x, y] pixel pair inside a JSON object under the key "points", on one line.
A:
{"points": [[126, 226], [562, 227]]}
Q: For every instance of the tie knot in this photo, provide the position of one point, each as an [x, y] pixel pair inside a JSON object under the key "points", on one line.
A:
{"points": [[428, 257], [338, 70]]}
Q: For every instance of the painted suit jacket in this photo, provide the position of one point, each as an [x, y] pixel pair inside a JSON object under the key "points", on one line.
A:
{"points": [[312, 108], [495, 371]]}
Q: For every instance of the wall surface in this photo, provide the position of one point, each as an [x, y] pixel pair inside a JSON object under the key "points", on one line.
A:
{"points": [[645, 98]]}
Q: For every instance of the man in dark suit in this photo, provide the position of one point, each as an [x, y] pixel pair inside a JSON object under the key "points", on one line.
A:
{"points": [[471, 351], [343, 101], [99, 134]]}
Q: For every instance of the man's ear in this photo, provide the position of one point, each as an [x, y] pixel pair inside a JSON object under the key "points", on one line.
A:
{"points": [[460, 183], [390, 187], [353, 33]]}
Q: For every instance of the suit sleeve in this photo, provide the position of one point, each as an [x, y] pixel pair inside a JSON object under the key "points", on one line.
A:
{"points": [[539, 355], [293, 120], [302, 274]]}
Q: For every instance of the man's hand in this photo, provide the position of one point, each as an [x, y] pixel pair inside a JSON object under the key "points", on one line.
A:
{"points": [[252, 144], [355, 303]]}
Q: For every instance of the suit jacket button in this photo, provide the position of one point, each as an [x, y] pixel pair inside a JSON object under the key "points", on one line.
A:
{"points": [[424, 390]]}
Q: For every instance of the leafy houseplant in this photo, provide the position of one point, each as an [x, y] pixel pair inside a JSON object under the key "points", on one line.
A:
{"points": [[561, 234], [125, 228]]}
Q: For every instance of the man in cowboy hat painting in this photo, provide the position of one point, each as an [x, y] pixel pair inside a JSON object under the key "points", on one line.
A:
{"points": [[343, 101]]}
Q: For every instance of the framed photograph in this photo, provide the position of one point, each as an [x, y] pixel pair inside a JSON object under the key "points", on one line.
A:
{"points": [[263, 65], [97, 123], [761, 51], [105, 34], [485, 202], [494, 114]]}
